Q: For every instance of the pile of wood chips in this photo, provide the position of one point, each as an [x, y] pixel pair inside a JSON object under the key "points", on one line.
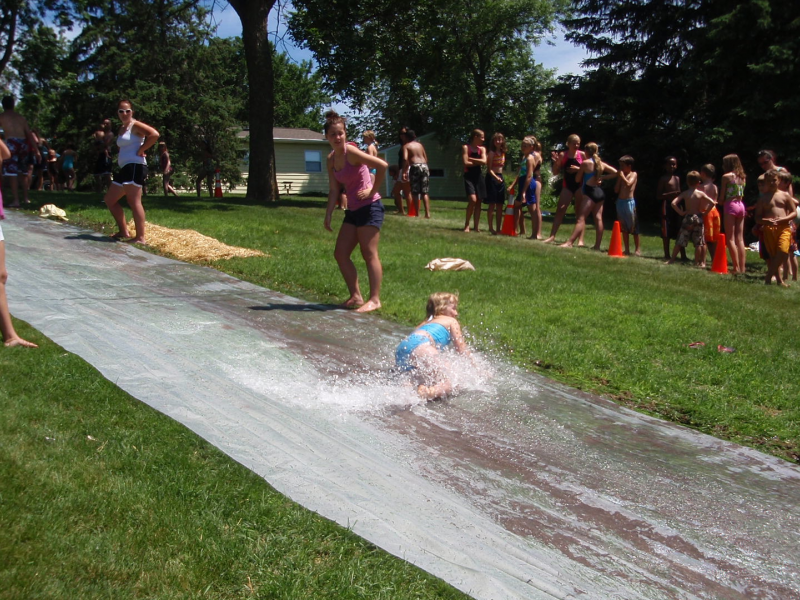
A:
{"points": [[191, 246]]}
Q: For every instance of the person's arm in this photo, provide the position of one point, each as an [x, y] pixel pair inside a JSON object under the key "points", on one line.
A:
{"points": [[758, 213], [609, 172], [723, 186], [458, 338], [333, 193], [465, 156], [481, 160], [555, 165], [150, 136], [406, 165], [356, 158], [529, 174], [5, 153], [676, 204]]}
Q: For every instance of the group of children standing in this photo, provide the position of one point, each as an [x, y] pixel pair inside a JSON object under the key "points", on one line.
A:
{"points": [[693, 215], [582, 173]]}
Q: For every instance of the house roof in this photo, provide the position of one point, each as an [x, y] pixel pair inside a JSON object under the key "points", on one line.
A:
{"points": [[288, 133]]}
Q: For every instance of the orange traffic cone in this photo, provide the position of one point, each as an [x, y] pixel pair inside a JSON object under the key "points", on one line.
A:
{"points": [[412, 207], [615, 247], [509, 228], [218, 185], [720, 263]]}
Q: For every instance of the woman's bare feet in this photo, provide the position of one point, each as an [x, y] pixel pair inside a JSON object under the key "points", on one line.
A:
{"points": [[369, 306], [352, 302], [550, 240]]}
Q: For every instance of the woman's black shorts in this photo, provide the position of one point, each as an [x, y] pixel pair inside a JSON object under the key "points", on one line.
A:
{"points": [[132, 173], [371, 214]]}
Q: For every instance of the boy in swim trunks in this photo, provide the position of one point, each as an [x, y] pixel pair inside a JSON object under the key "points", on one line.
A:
{"points": [[697, 203], [416, 171], [669, 186], [774, 211], [711, 220], [790, 266], [625, 189]]}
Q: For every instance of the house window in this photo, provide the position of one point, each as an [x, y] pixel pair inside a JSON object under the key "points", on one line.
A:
{"points": [[437, 172], [313, 161]]}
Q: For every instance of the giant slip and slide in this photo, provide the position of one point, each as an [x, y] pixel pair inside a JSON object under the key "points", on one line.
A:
{"points": [[517, 488]]}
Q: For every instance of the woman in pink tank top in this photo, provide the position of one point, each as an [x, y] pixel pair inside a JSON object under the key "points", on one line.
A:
{"points": [[349, 166]]}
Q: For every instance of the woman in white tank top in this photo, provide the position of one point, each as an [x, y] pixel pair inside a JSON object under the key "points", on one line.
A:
{"points": [[134, 139]]}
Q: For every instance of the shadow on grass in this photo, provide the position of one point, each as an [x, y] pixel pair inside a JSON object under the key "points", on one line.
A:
{"points": [[298, 307]]}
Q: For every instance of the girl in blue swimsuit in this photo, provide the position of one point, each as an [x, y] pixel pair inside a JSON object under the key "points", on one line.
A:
{"points": [[420, 352]]}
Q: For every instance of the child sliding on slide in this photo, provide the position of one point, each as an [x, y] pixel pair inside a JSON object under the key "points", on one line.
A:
{"points": [[420, 354]]}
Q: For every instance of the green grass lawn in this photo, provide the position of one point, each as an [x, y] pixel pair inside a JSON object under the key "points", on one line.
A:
{"points": [[83, 513]]}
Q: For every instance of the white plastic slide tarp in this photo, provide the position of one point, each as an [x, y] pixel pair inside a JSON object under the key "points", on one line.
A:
{"points": [[517, 488]]}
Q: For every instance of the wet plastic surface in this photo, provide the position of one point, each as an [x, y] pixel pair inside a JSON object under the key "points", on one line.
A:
{"points": [[517, 488]]}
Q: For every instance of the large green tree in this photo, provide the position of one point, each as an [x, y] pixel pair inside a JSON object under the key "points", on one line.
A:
{"points": [[449, 65]]}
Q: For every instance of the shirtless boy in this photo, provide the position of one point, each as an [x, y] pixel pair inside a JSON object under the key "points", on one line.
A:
{"points": [[20, 142], [785, 185], [669, 186], [626, 203], [416, 171], [774, 211], [697, 203]]}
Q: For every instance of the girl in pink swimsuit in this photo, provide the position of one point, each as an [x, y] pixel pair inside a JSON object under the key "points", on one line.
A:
{"points": [[349, 166], [732, 192]]}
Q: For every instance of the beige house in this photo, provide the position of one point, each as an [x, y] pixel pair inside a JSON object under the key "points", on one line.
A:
{"points": [[444, 162], [299, 160]]}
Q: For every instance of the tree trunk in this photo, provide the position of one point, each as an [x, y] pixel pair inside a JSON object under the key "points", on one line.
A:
{"points": [[262, 179]]}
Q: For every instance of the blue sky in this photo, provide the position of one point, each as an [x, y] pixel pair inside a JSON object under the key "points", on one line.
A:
{"points": [[563, 56]]}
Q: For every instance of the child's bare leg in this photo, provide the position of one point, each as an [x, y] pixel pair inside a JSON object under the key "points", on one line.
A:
{"points": [[636, 243], [626, 242], [580, 224], [774, 269], [597, 211], [563, 204], [427, 200], [346, 242], [477, 215], [368, 238], [675, 251], [472, 200], [519, 218], [580, 201], [498, 223], [536, 221], [793, 266]]}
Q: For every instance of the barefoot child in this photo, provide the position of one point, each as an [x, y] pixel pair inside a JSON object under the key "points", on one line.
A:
{"points": [[421, 352], [527, 189], [697, 203], [669, 186], [626, 204], [711, 220], [473, 155], [732, 191], [495, 184], [785, 185], [774, 211], [349, 167]]}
